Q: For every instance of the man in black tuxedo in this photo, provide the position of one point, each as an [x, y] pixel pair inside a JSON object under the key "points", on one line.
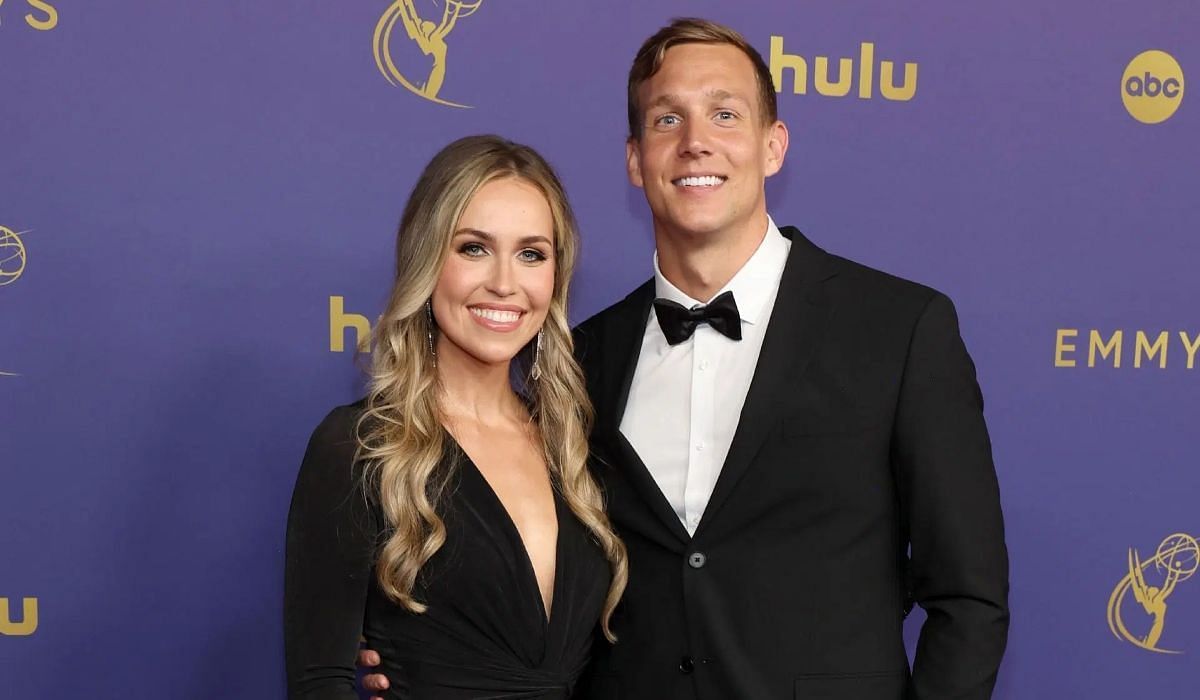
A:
{"points": [[792, 444]]}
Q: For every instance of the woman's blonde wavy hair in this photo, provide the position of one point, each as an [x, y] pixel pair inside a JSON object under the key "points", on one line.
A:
{"points": [[401, 435]]}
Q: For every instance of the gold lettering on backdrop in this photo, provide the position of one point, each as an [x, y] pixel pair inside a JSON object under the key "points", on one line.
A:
{"points": [[29, 618], [45, 24], [1191, 346], [889, 89], [46, 17], [1174, 562], [1159, 347], [1109, 348], [866, 69], [781, 62], [339, 321], [1061, 347], [1113, 347], [836, 88]]}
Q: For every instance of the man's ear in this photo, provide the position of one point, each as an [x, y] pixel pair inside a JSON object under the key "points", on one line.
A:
{"points": [[633, 162], [777, 145]]}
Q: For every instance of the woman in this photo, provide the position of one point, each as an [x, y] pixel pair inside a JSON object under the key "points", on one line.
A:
{"points": [[449, 518]]}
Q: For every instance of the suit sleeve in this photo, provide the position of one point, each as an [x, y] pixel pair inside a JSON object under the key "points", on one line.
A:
{"points": [[330, 551], [951, 501]]}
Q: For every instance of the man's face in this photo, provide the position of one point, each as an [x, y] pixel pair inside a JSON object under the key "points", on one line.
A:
{"points": [[705, 151]]}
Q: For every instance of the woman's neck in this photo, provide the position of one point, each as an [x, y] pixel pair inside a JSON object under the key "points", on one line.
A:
{"points": [[476, 391]]}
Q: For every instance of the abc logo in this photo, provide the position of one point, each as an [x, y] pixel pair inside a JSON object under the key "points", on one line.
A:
{"points": [[1152, 87]]}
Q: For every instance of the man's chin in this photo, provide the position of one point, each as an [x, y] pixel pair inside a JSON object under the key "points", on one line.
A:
{"points": [[696, 226]]}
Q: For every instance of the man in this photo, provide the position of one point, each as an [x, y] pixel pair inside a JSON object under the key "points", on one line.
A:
{"points": [[792, 444]]}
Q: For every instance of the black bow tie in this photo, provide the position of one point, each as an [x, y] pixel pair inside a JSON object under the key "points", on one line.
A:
{"points": [[678, 323]]}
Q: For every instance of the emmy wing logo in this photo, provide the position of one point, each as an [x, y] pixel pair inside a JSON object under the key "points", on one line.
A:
{"points": [[1150, 583], [430, 38]]}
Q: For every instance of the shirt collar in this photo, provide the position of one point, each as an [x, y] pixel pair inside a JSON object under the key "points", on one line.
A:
{"points": [[752, 286]]}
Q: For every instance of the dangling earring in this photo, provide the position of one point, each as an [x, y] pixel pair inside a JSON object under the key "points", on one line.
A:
{"points": [[429, 330], [536, 372]]}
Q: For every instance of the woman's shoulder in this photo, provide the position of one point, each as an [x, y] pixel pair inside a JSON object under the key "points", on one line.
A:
{"points": [[328, 492], [333, 446], [341, 422]]}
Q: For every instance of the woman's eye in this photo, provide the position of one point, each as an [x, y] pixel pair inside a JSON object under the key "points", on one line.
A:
{"points": [[532, 255], [472, 249]]}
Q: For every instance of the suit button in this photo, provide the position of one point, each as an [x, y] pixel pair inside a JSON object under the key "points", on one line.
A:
{"points": [[686, 664], [697, 560]]}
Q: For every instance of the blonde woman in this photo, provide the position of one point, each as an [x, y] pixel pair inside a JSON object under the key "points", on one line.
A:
{"points": [[449, 517]]}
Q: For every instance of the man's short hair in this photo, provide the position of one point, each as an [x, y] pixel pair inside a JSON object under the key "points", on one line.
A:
{"points": [[693, 30]]}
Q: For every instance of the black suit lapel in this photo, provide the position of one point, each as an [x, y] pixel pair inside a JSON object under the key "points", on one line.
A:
{"points": [[622, 346], [795, 330]]}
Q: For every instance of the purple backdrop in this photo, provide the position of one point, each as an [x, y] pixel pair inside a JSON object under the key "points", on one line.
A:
{"points": [[184, 187]]}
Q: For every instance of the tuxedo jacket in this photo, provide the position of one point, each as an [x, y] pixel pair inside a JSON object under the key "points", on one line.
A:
{"points": [[859, 481]]}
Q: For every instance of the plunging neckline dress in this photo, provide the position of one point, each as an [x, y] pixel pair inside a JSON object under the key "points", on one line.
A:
{"points": [[485, 633]]}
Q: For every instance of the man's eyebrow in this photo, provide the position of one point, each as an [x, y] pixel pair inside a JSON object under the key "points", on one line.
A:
{"points": [[720, 94], [672, 100], [667, 100]]}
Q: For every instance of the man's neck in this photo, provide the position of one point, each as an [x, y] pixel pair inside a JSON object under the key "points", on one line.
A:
{"points": [[700, 264]]}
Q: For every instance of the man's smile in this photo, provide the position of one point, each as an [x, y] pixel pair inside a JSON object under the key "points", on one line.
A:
{"points": [[698, 181]]}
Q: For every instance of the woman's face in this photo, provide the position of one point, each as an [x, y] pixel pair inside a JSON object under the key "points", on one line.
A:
{"points": [[498, 280]]}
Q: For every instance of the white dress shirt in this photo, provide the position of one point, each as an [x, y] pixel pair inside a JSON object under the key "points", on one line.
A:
{"points": [[685, 400]]}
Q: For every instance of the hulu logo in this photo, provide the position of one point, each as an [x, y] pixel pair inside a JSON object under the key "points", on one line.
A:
{"points": [[848, 74]]}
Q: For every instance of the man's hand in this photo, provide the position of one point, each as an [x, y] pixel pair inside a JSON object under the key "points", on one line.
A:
{"points": [[374, 682]]}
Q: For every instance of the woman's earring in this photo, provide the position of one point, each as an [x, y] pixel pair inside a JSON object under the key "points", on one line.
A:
{"points": [[429, 329], [536, 372]]}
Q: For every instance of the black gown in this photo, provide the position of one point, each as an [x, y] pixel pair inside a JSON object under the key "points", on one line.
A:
{"points": [[485, 633]]}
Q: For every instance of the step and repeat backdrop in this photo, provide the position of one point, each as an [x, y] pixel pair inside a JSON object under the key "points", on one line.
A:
{"points": [[197, 213]]}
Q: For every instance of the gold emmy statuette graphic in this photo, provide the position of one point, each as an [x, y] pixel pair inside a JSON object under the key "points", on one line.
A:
{"points": [[12, 262], [12, 255], [429, 36], [1174, 562]]}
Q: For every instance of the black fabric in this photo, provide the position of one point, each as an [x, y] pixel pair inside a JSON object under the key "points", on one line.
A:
{"points": [[678, 322], [862, 436], [485, 633]]}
